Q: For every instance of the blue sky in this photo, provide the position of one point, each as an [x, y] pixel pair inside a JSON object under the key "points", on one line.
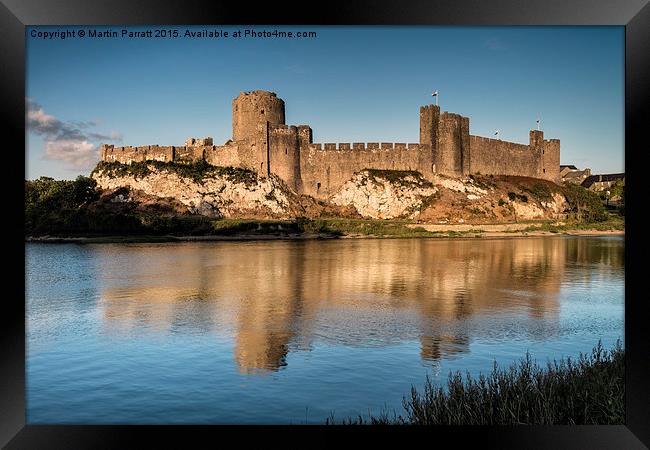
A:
{"points": [[351, 84]]}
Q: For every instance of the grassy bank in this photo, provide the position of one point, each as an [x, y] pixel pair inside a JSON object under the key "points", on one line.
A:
{"points": [[155, 228], [160, 229], [365, 227], [75, 209], [587, 390], [612, 222]]}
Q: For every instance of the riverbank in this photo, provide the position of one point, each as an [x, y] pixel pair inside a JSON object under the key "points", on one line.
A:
{"points": [[202, 229], [613, 227], [589, 390], [164, 239], [126, 210]]}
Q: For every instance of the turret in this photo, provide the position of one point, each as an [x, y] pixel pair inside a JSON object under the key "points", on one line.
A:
{"points": [[250, 109], [429, 118], [536, 138]]}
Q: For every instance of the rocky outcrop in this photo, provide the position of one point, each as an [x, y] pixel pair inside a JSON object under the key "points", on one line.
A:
{"points": [[214, 195], [375, 194], [380, 194]]}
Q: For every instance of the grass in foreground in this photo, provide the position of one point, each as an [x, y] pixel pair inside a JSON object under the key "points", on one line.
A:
{"points": [[589, 390]]}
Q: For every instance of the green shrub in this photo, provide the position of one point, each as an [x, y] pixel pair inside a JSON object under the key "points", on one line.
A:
{"points": [[541, 191], [399, 177], [512, 196], [367, 227], [585, 205], [58, 202], [197, 171], [482, 182]]}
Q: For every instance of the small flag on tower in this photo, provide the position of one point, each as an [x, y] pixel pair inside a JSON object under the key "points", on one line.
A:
{"points": [[435, 94]]}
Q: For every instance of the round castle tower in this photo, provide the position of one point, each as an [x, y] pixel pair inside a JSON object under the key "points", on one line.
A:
{"points": [[252, 108]]}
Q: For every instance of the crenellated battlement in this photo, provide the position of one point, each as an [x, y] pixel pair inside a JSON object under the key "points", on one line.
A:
{"points": [[283, 129], [196, 142], [446, 115], [365, 146], [263, 142]]}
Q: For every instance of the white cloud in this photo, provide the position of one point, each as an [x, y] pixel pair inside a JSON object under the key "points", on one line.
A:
{"points": [[65, 141], [75, 153], [39, 122]]}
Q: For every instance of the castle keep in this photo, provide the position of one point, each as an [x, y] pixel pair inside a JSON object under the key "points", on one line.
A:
{"points": [[261, 141]]}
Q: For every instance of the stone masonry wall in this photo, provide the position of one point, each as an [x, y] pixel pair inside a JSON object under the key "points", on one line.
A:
{"points": [[453, 134], [126, 155], [551, 160], [284, 154], [496, 157], [326, 167], [227, 155], [429, 118], [250, 109]]}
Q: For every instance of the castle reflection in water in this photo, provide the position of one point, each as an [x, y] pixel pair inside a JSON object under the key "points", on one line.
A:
{"points": [[282, 296]]}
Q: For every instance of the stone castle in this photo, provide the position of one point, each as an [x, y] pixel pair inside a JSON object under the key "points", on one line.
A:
{"points": [[261, 141]]}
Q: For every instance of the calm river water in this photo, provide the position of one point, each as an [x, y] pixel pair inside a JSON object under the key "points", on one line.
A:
{"points": [[298, 331]]}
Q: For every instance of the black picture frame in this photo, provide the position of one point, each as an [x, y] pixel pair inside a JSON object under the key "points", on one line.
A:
{"points": [[15, 15]]}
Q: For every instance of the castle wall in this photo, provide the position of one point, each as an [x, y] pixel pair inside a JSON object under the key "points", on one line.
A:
{"points": [[496, 157], [465, 147], [189, 154], [551, 160], [129, 154], [284, 154], [260, 151], [224, 155], [453, 144], [326, 167], [236, 154]]}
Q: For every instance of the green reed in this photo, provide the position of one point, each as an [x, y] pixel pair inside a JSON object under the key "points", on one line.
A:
{"points": [[586, 390]]}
